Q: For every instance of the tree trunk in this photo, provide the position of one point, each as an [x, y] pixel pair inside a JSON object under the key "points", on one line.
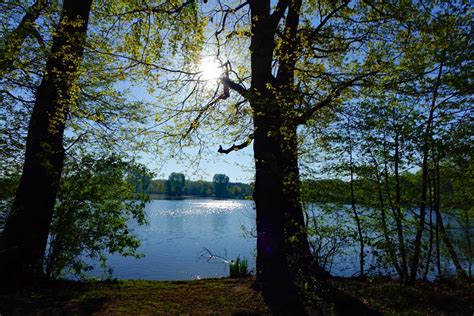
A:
{"points": [[398, 211], [427, 145], [383, 218], [430, 242], [354, 211], [438, 252], [274, 205], [273, 275], [421, 221], [286, 270], [24, 239], [444, 234]]}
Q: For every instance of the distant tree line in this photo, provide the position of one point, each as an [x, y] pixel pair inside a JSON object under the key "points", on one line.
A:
{"points": [[338, 191], [178, 185]]}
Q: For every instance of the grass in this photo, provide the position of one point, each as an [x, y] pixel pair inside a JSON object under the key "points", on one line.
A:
{"points": [[239, 268], [201, 297], [223, 297]]}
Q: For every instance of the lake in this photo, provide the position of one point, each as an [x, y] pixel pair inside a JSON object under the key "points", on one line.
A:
{"points": [[179, 232], [174, 242]]}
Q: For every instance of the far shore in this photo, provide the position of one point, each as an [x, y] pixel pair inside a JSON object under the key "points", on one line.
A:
{"points": [[160, 196]]}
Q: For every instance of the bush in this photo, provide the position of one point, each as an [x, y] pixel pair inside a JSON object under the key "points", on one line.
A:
{"points": [[239, 268], [97, 201]]}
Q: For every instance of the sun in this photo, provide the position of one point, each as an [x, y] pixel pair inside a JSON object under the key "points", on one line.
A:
{"points": [[210, 69]]}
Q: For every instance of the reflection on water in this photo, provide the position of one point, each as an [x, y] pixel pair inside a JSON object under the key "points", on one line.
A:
{"points": [[179, 231], [177, 234]]}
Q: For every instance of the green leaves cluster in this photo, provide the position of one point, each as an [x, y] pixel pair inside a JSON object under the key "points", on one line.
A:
{"points": [[98, 207]]}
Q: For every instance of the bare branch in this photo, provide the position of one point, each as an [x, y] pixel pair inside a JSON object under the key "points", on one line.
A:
{"points": [[144, 63], [227, 12], [211, 255], [236, 147], [75, 142], [236, 87]]}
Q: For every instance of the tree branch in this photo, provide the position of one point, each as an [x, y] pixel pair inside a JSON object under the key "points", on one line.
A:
{"points": [[279, 12], [236, 147], [75, 142], [327, 18], [174, 10], [236, 87], [211, 255], [336, 92], [227, 12], [14, 40]]}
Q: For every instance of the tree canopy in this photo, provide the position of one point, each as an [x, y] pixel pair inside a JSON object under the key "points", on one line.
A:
{"points": [[374, 94]]}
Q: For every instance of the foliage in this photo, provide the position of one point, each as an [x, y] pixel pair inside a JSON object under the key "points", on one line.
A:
{"points": [[330, 233], [325, 191], [220, 182], [175, 184], [239, 268], [204, 188], [96, 211], [397, 136]]}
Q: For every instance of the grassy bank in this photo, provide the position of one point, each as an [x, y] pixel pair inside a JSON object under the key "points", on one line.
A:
{"points": [[223, 297]]}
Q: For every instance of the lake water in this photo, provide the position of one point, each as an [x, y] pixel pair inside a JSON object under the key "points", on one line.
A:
{"points": [[179, 232], [174, 242]]}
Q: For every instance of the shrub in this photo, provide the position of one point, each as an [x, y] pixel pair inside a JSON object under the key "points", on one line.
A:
{"points": [[239, 268]]}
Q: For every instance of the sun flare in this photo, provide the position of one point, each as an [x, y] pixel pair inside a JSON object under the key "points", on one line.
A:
{"points": [[210, 69]]}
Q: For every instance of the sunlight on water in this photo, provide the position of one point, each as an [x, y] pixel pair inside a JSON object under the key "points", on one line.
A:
{"points": [[206, 207], [179, 232]]}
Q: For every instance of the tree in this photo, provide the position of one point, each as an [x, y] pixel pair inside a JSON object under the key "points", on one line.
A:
{"points": [[175, 184], [284, 47], [401, 122], [220, 182], [23, 242], [95, 206], [90, 108]]}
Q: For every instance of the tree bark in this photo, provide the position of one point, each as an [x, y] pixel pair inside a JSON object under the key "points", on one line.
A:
{"points": [[23, 242], [273, 275]]}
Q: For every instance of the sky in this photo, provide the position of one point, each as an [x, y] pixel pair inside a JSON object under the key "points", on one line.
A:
{"points": [[238, 166]]}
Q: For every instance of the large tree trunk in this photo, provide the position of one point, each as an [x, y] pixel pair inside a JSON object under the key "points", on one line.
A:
{"points": [[272, 269], [273, 205], [286, 270], [24, 239]]}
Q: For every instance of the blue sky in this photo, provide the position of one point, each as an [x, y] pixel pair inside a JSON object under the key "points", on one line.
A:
{"points": [[238, 166]]}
